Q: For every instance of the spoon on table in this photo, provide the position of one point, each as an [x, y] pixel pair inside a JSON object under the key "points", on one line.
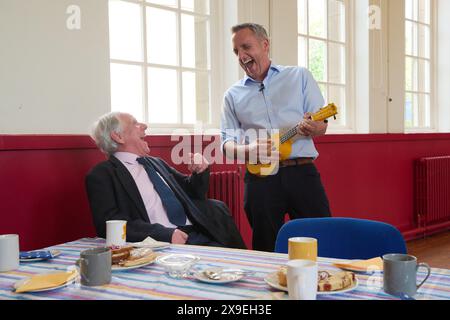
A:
{"points": [[216, 274]]}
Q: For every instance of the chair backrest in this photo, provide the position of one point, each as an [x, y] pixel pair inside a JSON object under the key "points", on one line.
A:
{"points": [[344, 238]]}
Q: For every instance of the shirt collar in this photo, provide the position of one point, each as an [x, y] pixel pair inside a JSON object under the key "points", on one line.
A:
{"points": [[272, 69], [127, 157]]}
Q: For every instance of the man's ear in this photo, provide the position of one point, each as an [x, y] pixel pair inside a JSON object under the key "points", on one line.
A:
{"points": [[117, 138], [266, 45]]}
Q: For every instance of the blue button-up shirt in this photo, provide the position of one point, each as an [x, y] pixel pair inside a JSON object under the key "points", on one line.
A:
{"points": [[278, 103]]}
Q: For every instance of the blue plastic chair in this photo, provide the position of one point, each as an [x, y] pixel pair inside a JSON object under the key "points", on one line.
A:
{"points": [[344, 238]]}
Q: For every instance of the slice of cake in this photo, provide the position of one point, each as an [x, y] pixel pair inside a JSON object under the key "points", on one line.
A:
{"points": [[282, 276], [335, 281], [326, 281]]}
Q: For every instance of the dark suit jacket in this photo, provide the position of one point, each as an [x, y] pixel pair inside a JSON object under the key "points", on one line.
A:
{"points": [[113, 195]]}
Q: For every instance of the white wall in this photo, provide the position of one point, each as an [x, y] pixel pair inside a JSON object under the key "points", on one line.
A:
{"points": [[52, 79]]}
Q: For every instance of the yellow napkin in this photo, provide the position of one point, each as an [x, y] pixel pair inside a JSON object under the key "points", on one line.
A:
{"points": [[46, 281], [362, 265]]}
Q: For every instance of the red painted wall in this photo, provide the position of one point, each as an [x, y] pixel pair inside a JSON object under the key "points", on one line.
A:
{"points": [[371, 176], [42, 195]]}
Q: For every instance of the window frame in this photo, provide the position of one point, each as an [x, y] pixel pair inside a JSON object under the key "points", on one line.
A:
{"points": [[214, 57], [349, 85], [433, 112]]}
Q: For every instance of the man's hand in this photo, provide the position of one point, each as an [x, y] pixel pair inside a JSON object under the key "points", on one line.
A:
{"points": [[310, 128], [179, 237], [262, 151], [197, 163]]}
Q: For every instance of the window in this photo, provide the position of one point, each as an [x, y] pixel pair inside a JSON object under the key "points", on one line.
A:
{"points": [[160, 60], [323, 48], [418, 62]]}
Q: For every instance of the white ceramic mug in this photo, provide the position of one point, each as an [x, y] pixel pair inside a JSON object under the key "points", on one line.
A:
{"points": [[9, 252], [302, 279], [116, 233]]}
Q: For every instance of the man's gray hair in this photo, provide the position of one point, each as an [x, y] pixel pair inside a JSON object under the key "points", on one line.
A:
{"points": [[257, 29], [101, 132]]}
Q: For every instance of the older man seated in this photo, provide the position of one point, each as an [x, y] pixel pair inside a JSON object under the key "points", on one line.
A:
{"points": [[155, 199]]}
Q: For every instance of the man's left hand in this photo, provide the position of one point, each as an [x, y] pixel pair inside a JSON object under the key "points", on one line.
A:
{"points": [[310, 128], [197, 163]]}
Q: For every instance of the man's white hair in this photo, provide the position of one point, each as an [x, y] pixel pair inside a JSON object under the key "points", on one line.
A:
{"points": [[101, 132]]}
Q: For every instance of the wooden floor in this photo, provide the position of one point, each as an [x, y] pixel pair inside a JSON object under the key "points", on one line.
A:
{"points": [[434, 250]]}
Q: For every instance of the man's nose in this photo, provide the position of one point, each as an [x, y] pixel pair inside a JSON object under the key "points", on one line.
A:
{"points": [[242, 56]]}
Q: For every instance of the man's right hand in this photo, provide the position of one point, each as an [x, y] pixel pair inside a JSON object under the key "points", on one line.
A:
{"points": [[179, 237]]}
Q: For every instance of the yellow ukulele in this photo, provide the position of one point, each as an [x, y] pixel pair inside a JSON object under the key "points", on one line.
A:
{"points": [[283, 144]]}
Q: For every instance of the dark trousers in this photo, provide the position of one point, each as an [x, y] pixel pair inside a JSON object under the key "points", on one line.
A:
{"points": [[296, 190]]}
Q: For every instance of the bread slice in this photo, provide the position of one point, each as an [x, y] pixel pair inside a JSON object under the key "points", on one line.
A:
{"points": [[120, 254]]}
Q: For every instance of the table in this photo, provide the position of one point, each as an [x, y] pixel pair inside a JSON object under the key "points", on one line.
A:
{"points": [[151, 282]]}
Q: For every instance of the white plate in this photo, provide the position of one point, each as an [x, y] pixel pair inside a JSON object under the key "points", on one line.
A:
{"points": [[20, 282], [225, 277], [359, 270], [55, 253], [154, 246], [272, 280], [116, 267]]}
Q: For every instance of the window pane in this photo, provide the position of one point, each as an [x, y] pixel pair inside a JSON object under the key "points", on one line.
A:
{"points": [[324, 89], [408, 110], [302, 12], [424, 105], [125, 31], [423, 78], [161, 46], [318, 59], [412, 31], [189, 97], [336, 20], [424, 41], [409, 9], [195, 97], [302, 52], [198, 6], [424, 11], [126, 89], [415, 108], [414, 74], [162, 95], [168, 3], [337, 96], [336, 56], [409, 74], [410, 38], [317, 18], [195, 35]]}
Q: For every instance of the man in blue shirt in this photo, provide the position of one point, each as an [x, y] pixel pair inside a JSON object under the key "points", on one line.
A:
{"points": [[269, 98]]}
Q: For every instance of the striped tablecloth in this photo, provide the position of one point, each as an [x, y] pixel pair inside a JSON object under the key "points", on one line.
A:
{"points": [[151, 281]]}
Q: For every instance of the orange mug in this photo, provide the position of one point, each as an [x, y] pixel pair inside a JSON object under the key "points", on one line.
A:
{"points": [[302, 248]]}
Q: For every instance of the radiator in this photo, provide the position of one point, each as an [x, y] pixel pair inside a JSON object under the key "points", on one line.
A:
{"points": [[226, 186], [432, 190]]}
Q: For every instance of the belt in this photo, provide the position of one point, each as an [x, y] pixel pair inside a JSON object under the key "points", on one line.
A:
{"points": [[295, 162]]}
